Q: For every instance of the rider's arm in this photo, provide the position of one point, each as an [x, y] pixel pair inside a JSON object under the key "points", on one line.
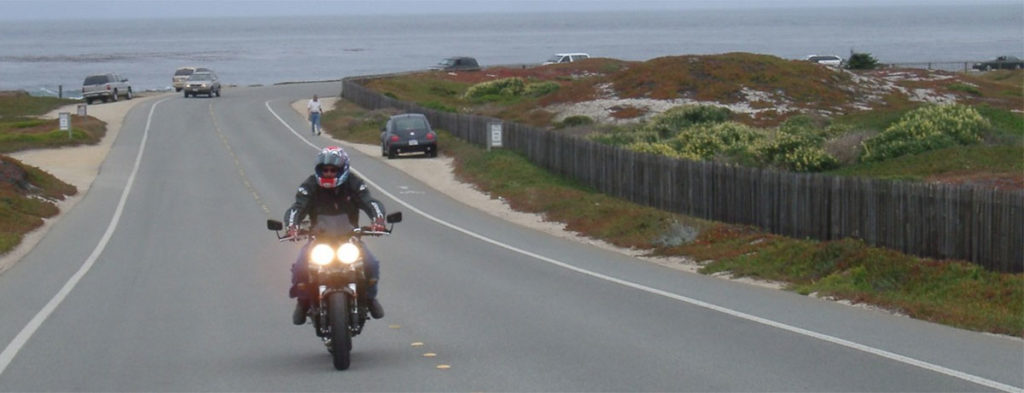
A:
{"points": [[294, 215], [373, 208]]}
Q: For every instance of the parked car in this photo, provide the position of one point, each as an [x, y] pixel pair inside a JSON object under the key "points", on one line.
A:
{"points": [[107, 87], [459, 63], [566, 58], [205, 82], [829, 60], [405, 133], [181, 75], [1000, 63]]}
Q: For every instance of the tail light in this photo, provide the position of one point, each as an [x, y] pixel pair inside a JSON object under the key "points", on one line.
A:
{"points": [[394, 138], [108, 87], [430, 136]]}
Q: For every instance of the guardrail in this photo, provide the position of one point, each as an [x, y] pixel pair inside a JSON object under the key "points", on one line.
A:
{"points": [[952, 66]]}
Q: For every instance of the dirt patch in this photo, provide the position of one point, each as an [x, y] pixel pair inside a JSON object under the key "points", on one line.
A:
{"points": [[766, 89], [999, 181]]}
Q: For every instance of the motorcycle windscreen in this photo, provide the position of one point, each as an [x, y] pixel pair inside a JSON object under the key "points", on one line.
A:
{"points": [[334, 226]]}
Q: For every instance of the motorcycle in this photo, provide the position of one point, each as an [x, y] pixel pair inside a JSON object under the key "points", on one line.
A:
{"points": [[338, 308]]}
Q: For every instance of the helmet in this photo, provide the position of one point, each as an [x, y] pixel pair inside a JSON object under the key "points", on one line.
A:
{"points": [[331, 156]]}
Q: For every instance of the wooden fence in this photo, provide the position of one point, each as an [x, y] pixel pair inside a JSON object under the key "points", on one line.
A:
{"points": [[976, 224]]}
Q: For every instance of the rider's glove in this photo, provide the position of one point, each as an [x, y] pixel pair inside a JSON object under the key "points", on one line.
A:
{"points": [[378, 225], [293, 231]]}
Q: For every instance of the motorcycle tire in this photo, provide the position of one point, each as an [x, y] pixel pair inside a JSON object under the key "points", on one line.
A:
{"points": [[341, 342]]}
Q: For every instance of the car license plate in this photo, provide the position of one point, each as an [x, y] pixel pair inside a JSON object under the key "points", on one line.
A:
{"points": [[413, 142]]}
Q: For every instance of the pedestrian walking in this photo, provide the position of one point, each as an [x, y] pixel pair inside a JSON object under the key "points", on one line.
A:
{"points": [[314, 110]]}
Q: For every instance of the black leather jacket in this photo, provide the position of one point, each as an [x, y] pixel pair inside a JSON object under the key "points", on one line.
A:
{"points": [[348, 198]]}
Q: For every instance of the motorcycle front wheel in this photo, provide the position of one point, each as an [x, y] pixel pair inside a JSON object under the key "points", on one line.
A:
{"points": [[341, 342]]}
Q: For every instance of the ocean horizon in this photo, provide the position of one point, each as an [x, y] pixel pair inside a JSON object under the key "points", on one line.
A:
{"points": [[43, 56]]}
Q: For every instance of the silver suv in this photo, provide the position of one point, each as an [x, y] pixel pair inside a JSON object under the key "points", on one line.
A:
{"points": [[107, 87]]}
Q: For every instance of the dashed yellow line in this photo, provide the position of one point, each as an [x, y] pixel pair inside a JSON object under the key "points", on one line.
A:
{"points": [[238, 165], [440, 366]]}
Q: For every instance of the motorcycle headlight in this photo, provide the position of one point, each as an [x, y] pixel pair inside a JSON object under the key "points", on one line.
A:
{"points": [[322, 254], [348, 253]]}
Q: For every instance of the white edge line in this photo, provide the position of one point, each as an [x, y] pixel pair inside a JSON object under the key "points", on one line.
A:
{"points": [[7, 356], [753, 318]]}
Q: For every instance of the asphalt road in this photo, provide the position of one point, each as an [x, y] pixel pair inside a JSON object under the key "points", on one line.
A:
{"points": [[164, 278]]}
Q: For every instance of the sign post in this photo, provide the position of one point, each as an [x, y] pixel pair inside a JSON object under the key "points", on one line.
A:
{"points": [[493, 134], [65, 122]]}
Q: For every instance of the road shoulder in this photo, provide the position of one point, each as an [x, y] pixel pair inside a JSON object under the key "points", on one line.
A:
{"points": [[77, 165]]}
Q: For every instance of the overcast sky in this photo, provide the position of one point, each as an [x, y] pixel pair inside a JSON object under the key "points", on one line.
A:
{"points": [[77, 9]]}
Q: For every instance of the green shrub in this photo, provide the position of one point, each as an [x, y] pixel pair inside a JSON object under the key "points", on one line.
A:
{"points": [[970, 89], [861, 61], [438, 106], [807, 126], [794, 152], [734, 134], [661, 149], [672, 121], [624, 137], [508, 87], [577, 120], [924, 129], [541, 88], [706, 141]]}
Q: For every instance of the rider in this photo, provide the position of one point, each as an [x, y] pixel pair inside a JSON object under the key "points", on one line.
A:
{"points": [[332, 189]]}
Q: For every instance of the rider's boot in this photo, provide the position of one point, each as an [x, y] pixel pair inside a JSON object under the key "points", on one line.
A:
{"points": [[299, 314], [376, 311]]}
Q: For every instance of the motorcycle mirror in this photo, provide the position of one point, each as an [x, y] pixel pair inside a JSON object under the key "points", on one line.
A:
{"points": [[274, 225], [394, 217]]}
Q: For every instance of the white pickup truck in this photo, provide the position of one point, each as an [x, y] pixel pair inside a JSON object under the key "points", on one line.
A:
{"points": [[107, 87]]}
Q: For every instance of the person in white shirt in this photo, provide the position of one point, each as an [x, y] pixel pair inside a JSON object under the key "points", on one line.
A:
{"points": [[314, 110]]}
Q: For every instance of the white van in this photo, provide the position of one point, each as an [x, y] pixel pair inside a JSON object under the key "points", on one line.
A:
{"points": [[566, 58]]}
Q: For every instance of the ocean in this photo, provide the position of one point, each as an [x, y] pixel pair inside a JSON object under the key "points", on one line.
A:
{"points": [[43, 56]]}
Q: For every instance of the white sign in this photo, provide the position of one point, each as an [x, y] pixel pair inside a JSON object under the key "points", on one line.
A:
{"points": [[65, 121], [495, 130]]}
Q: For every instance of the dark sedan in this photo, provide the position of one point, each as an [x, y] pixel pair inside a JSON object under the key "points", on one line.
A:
{"points": [[460, 63], [407, 133]]}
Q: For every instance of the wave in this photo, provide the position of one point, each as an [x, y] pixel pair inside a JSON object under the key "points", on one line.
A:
{"points": [[118, 57]]}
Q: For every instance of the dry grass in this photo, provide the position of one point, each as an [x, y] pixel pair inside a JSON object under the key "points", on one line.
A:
{"points": [[847, 147]]}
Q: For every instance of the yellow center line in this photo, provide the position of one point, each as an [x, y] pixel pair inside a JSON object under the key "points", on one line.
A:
{"points": [[238, 165]]}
